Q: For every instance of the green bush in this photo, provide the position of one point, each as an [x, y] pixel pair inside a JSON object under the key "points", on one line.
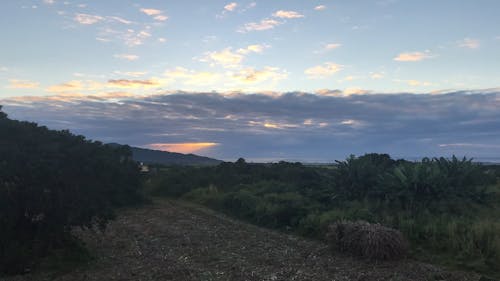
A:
{"points": [[52, 181], [446, 208]]}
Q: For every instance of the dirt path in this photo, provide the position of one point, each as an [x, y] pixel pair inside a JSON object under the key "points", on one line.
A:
{"points": [[174, 241]]}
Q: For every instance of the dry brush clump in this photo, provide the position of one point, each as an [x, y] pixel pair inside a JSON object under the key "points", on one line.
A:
{"points": [[364, 239]]}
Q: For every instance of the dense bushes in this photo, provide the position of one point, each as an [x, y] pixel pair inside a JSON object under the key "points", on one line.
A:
{"points": [[444, 207], [52, 181]]}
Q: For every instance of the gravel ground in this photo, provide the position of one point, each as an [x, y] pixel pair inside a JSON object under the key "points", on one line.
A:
{"points": [[170, 240]]}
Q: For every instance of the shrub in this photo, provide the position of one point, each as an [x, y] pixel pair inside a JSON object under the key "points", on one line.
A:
{"points": [[372, 241], [52, 181]]}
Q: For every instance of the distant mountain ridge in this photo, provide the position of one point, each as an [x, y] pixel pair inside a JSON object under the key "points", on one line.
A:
{"points": [[150, 156]]}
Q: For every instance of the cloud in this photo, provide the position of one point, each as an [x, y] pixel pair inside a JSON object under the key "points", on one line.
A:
{"points": [[155, 14], [190, 147], [128, 57], [264, 24], [231, 6], [332, 46], [376, 75], [49, 2], [323, 71], [87, 19], [320, 8], [22, 84], [71, 86], [404, 125], [161, 18], [469, 43], [151, 12], [252, 75], [226, 58], [412, 57], [126, 83], [192, 77], [119, 20], [287, 14], [256, 48], [418, 83], [132, 73]]}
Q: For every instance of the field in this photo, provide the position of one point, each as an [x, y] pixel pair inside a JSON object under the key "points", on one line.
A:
{"points": [[171, 240], [446, 208]]}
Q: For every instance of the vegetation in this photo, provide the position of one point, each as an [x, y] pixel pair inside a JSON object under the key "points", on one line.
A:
{"points": [[446, 208], [372, 241], [51, 182]]}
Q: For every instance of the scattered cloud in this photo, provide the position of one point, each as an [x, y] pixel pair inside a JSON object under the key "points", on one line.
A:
{"points": [[252, 75], [264, 24], [22, 84], [128, 57], [332, 46], [377, 75], [119, 20], [418, 83], [287, 14], [87, 19], [131, 73], [226, 58], [151, 12], [192, 77], [155, 14], [469, 43], [126, 83], [231, 6], [49, 2], [413, 56], [161, 18], [323, 71], [76, 87], [320, 8], [255, 48], [355, 91]]}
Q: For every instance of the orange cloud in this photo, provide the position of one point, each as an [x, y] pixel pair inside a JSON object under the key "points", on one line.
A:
{"points": [[287, 14], [22, 84], [225, 58], [188, 147], [126, 83], [322, 71], [231, 6], [251, 75], [151, 12], [414, 56]]}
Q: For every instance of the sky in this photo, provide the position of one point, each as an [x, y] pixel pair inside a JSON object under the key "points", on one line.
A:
{"points": [[300, 80]]}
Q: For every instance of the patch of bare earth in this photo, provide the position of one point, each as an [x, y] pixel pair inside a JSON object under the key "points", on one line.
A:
{"points": [[169, 240]]}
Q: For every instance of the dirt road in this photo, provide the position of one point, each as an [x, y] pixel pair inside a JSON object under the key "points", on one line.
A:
{"points": [[169, 240]]}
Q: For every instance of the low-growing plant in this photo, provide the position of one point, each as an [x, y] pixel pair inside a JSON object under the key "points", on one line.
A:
{"points": [[372, 241]]}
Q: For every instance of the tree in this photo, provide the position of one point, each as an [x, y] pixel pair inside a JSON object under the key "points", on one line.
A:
{"points": [[52, 181]]}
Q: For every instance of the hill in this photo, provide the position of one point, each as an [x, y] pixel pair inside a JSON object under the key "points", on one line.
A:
{"points": [[150, 156]]}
